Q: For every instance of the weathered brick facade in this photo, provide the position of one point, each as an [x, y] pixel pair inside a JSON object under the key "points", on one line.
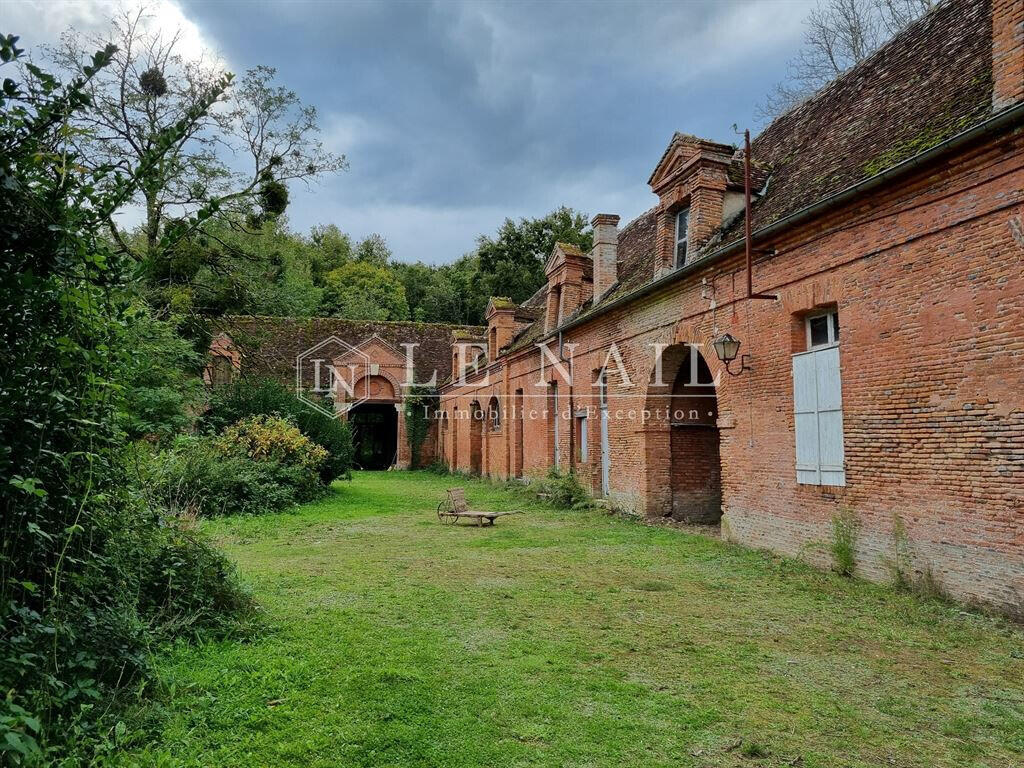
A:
{"points": [[894, 198], [377, 371]]}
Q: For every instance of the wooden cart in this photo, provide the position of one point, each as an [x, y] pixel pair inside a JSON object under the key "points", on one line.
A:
{"points": [[454, 507]]}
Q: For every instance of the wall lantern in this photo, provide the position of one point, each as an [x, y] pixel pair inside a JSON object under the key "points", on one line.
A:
{"points": [[727, 347]]}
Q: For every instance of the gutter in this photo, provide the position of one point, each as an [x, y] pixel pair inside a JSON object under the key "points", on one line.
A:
{"points": [[994, 124]]}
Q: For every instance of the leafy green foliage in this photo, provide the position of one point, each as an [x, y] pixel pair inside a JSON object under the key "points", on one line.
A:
{"points": [[362, 291], [162, 392], [193, 478], [250, 397], [261, 464], [420, 404], [75, 621], [563, 490], [513, 262]]}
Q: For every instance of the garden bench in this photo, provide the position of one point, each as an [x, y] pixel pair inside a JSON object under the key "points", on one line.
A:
{"points": [[454, 507]]}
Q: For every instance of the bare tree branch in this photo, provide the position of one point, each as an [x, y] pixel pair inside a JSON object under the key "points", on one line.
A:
{"points": [[838, 35]]}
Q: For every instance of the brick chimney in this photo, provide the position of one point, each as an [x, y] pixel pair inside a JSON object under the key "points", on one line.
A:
{"points": [[1007, 53], [605, 253]]}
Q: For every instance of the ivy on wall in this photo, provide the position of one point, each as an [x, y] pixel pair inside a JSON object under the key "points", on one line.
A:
{"points": [[420, 403]]}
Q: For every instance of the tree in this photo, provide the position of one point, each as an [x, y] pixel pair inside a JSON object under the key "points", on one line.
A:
{"points": [[149, 88], [76, 550], [838, 34], [373, 250], [331, 248], [363, 291], [513, 263]]}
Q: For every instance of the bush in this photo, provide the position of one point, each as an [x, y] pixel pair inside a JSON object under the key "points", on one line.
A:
{"points": [[261, 464], [186, 585], [194, 478], [251, 397], [276, 441], [564, 490], [844, 542]]}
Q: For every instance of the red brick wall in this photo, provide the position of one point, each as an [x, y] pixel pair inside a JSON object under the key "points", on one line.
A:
{"points": [[696, 474], [1007, 52], [928, 278]]}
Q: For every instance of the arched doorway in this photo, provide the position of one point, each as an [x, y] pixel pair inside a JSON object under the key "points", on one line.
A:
{"points": [[374, 423], [476, 434], [683, 439], [374, 435]]}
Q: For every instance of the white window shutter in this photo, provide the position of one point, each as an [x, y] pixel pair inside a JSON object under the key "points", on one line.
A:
{"points": [[830, 416], [805, 411], [818, 416]]}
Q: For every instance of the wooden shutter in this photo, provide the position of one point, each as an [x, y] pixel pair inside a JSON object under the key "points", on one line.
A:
{"points": [[818, 417]]}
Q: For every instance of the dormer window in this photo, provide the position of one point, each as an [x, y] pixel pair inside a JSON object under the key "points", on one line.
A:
{"points": [[682, 225]]}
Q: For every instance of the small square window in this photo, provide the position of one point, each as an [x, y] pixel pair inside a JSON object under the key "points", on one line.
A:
{"points": [[819, 330], [823, 330]]}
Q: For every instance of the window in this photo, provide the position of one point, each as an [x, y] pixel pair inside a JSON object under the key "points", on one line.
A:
{"points": [[493, 343], [822, 329], [494, 411], [581, 436], [818, 404], [682, 225]]}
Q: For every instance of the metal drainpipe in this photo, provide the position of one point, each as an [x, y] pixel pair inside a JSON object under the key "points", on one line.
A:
{"points": [[572, 420]]}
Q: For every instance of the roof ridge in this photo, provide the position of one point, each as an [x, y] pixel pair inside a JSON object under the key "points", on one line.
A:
{"points": [[306, 318]]}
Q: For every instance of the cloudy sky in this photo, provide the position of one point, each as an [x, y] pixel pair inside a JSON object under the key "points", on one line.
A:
{"points": [[454, 115]]}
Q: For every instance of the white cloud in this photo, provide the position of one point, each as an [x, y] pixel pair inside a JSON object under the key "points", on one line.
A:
{"points": [[43, 21]]}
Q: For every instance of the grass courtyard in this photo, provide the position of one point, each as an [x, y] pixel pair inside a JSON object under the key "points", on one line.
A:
{"points": [[572, 639]]}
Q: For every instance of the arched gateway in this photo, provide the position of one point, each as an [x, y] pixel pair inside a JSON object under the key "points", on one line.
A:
{"points": [[683, 467]]}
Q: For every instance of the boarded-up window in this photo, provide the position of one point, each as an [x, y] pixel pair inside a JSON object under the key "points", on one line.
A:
{"points": [[222, 370], [818, 413], [582, 452]]}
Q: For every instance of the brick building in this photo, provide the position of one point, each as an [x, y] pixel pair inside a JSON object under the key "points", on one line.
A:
{"points": [[361, 370], [880, 373]]}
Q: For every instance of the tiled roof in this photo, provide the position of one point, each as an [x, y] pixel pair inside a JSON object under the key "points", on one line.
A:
{"points": [[928, 83], [270, 345], [569, 249]]}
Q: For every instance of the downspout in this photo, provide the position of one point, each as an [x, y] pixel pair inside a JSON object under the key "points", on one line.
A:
{"points": [[572, 419]]}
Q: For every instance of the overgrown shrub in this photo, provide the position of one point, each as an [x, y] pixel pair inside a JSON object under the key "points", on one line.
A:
{"points": [[253, 396], [844, 542], [563, 490], [76, 615], [275, 441], [192, 478], [186, 585]]}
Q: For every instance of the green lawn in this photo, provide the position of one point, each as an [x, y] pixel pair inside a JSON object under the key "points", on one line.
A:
{"points": [[573, 639]]}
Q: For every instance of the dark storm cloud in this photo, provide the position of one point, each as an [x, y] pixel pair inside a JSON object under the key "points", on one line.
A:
{"points": [[455, 115]]}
